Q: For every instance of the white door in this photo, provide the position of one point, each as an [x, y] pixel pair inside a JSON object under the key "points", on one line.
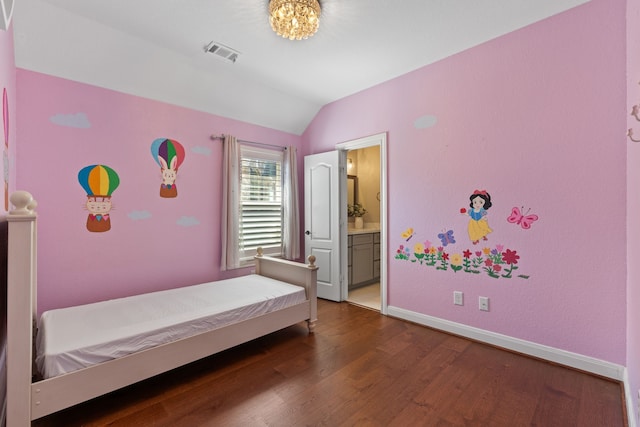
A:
{"points": [[322, 219]]}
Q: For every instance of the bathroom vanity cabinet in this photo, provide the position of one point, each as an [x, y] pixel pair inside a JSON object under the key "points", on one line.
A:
{"points": [[364, 258]]}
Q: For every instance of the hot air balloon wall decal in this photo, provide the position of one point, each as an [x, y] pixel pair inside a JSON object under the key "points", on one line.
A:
{"points": [[169, 154], [99, 181]]}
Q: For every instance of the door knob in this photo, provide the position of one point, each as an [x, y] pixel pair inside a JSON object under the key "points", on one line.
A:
{"points": [[307, 232]]}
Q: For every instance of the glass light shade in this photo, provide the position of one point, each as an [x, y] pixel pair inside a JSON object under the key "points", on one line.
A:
{"points": [[294, 19]]}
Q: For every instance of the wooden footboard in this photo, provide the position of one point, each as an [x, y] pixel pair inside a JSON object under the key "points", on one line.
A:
{"points": [[27, 401], [290, 272]]}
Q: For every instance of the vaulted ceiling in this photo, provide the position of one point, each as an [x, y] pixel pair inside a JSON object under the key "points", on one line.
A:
{"points": [[156, 48]]}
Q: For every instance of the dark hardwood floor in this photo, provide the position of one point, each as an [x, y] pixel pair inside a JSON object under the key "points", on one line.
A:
{"points": [[359, 369]]}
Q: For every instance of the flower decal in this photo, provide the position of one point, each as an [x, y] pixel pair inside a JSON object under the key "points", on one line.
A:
{"points": [[456, 259], [495, 262], [456, 262], [510, 257]]}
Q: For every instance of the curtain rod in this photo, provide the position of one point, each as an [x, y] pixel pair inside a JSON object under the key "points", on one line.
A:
{"points": [[279, 147]]}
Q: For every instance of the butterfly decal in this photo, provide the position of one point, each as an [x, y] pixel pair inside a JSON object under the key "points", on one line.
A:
{"points": [[407, 234], [447, 238], [524, 220]]}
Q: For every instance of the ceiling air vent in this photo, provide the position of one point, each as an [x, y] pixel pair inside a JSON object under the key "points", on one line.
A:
{"points": [[222, 52]]}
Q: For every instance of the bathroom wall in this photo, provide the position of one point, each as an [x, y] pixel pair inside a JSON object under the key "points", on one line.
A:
{"points": [[369, 179]]}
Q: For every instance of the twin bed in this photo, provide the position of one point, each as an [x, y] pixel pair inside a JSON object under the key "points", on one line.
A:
{"points": [[86, 351]]}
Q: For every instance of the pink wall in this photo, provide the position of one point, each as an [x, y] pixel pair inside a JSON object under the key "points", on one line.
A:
{"points": [[536, 119], [8, 82], [633, 206], [138, 254]]}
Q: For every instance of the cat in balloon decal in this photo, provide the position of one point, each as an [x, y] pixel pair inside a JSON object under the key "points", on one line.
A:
{"points": [[99, 182]]}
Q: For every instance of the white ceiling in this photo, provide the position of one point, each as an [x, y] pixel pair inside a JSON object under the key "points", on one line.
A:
{"points": [[155, 48]]}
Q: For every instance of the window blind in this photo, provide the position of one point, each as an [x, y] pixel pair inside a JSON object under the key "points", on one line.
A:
{"points": [[260, 201]]}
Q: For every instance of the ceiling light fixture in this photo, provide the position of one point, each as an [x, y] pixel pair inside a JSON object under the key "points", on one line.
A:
{"points": [[294, 19]]}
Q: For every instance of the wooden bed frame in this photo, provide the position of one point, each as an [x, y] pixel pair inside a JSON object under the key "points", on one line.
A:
{"points": [[28, 400]]}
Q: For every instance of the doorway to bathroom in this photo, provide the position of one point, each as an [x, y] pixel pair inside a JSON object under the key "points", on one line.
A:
{"points": [[363, 226], [365, 248]]}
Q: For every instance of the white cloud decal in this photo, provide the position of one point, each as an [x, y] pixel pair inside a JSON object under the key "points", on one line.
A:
{"points": [[78, 120], [188, 221], [138, 215], [201, 150], [425, 122]]}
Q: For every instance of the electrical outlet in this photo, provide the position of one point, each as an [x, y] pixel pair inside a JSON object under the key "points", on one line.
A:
{"points": [[458, 298], [483, 303]]}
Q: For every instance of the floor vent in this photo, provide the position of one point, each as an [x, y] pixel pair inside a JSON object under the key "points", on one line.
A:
{"points": [[222, 52]]}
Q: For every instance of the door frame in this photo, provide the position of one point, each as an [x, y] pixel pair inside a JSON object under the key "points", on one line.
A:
{"points": [[379, 140]]}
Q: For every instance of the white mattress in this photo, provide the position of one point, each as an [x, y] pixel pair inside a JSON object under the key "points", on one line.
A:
{"points": [[76, 337]]}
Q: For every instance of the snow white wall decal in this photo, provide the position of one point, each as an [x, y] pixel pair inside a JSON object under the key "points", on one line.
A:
{"points": [[478, 228]]}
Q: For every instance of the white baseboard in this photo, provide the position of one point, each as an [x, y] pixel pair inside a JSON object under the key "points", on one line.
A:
{"points": [[632, 415], [567, 358]]}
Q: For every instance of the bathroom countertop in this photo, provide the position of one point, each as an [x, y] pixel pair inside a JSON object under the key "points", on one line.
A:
{"points": [[368, 228]]}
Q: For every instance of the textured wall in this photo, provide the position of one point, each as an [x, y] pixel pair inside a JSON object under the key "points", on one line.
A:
{"points": [[8, 87], [537, 119], [154, 242], [633, 200]]}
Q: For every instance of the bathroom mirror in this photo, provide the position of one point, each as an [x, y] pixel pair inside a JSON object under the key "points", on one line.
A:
{"points": [[352, 189]]}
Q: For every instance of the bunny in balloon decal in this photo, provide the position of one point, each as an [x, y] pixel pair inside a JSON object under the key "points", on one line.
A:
{"points": [[169, 155], [496, 260], [98, 181]]}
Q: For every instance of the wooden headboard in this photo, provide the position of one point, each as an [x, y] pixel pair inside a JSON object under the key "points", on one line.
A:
{"points": [[22, 311]]}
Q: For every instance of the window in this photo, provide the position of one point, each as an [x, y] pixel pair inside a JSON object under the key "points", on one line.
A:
{"points": [[260, 201]]}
